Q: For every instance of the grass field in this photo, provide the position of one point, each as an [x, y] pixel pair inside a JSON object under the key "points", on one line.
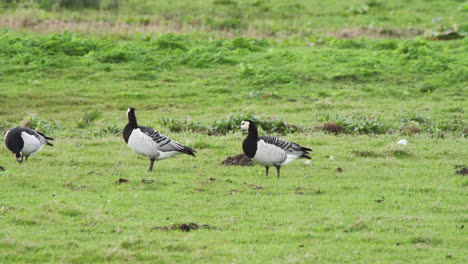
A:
{"points": [[373, 71]]}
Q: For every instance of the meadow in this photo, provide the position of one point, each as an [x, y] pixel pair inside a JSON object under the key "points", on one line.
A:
{"points": [[348, 79]]}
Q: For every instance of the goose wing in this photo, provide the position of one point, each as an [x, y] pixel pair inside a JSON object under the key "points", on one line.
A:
{"points": [[269, 154], [288, 147], [153, 134], [40, 136], [166, 144]]}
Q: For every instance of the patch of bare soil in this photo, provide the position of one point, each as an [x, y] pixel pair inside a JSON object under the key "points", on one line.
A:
{"points": [[239, 160], [122, 180], [183, 227], [255, 187], [411, 130], [374, 32], [463, 170], [332, 128], [339, 169]]}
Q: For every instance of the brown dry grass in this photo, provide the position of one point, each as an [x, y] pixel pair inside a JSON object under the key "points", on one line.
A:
{"points": [[29, 22]]}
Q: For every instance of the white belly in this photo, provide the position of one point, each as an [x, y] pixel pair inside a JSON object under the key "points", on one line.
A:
{"points": [[166, 155], [269, 155], [31, 144], [142, 144]]}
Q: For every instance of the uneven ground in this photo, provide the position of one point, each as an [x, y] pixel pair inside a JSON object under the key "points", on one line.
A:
{"points": [[363, 199]]}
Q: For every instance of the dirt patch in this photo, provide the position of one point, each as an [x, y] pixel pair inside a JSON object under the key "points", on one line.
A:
{"points": [[238, 160], [339, 169], [411, 130], [255, 187], [374, 32], [380, 200], [122, 180], [332, 128], [183, 227], [463, 171]]}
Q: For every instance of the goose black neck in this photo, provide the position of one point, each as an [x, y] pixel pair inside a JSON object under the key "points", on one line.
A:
{"points": [[253, 132], [132, 119]]}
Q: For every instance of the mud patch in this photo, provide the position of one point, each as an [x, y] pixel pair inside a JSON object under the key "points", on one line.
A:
{"points": [[462, 170], [183, 227], [411, 130], [380, 200], [122, 180], [238, 160], [339, 169], [332, 128], [255, 187]]}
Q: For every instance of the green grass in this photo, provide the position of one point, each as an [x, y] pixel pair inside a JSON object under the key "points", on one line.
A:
{"points": [[389, 204], [64, 205], [255, 18]]}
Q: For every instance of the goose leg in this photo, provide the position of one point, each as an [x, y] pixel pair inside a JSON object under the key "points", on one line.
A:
{"points": [[278, 170], [26, 157], [151, 165], [267, 168]]}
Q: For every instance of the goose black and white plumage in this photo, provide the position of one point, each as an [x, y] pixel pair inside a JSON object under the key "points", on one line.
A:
{"points": [[24, 142], [150, 143], [270, 151]]}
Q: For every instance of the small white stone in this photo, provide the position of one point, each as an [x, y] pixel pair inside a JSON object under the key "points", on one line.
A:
{"points": [[308, 162], [331, 158], [403, 142]]}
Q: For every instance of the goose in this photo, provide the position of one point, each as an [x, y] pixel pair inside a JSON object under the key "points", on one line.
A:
{"points": [[24, 142], [150, 143], [270, 151]]}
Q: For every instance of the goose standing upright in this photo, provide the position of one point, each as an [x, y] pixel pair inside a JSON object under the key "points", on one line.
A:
{"points": [[269, 150], [150, 143], [24, 142]]}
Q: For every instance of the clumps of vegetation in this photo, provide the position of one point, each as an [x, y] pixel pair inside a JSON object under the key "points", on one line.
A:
{"points": [[395, 153], [418, 123], [175, 125], [271, 125], [355, 123], [231, 124], [88, 118], [40, 124]]}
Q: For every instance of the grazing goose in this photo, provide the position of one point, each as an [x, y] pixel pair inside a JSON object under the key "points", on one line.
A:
{"points": [[270, 151], [24, 142], [150, 143]]}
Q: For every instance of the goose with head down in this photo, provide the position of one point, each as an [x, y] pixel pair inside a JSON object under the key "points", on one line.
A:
{"points": [[24, 142]]}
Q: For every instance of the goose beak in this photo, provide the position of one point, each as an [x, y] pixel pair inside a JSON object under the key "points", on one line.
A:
{"points": [[20, 159]]}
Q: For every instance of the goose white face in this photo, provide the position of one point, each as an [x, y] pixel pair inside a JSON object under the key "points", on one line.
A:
{"points": [[245, 125], [128, 111]]}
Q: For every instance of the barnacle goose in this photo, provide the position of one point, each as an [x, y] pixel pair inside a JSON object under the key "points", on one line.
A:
{"points": [[24, 142], [270, 151], [150, 143]]}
